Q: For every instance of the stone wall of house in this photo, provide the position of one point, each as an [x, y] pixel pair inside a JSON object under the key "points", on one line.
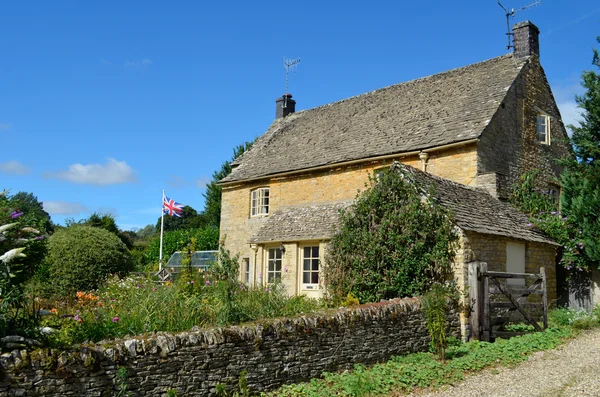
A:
{"points": [[335, 184], [508, 147], [492, 250], [273, 353]]}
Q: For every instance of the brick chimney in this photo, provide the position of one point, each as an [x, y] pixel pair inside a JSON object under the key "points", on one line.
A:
{"points": [[526, 39], [284, 106]]}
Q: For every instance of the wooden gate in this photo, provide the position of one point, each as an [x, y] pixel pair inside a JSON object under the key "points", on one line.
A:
{"points": [[496, 301]]}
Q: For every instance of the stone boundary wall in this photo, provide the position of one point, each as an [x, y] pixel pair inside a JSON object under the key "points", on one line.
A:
{"points": [[273, 352]]}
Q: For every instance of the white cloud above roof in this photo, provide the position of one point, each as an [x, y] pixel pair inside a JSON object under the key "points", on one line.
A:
{"points": [[13, 167], [63, 208], [114, 172]]}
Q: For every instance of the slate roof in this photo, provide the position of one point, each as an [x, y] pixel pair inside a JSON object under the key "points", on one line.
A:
{"points": [[475, 209], [312, 222], [444, 108]]}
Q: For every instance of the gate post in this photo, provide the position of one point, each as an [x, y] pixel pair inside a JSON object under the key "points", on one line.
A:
{"points": [[474, 300], [544, 296], [485, 294]]}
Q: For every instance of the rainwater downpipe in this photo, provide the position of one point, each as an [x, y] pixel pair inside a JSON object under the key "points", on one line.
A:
{"points": [[424, 156]]}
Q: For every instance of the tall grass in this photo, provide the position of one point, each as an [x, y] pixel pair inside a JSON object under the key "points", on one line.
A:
{"points": [[137, 305]]}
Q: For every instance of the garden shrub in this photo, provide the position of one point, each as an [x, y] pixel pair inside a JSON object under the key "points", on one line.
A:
{"points": [[82, 257], [394, 241], [436, 309]]}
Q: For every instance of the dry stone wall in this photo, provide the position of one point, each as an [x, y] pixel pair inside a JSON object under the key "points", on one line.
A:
{"points": [[273, 353]]}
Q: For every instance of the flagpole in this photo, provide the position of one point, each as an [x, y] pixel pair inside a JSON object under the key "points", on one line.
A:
{"points": [[162, 224]]}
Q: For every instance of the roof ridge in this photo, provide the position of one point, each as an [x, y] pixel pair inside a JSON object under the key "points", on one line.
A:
{"points": [[418, 79]]}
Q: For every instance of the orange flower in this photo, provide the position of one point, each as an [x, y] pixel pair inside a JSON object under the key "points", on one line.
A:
{"points": [[54, 311]]}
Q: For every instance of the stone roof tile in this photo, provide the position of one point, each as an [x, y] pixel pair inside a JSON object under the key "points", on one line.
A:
{"points": [[444, 108]]}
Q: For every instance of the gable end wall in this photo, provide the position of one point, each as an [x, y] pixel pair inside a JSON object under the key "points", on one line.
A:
{"points": [[509, 146]]}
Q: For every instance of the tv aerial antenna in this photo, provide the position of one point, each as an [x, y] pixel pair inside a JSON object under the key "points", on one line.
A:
{"points": [[290, 66], [511, 14]]}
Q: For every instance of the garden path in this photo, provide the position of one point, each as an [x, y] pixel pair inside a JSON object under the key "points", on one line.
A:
{"points": [[570, 370]]}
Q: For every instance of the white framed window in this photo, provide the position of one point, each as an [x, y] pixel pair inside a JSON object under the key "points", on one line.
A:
{"points": [[246, 270], [274, 262], [542, 128], [310, 267], [259, 201]]}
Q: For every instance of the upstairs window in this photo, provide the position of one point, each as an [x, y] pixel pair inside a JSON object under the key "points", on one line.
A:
{"points": [[542, 128], [259, 199]]}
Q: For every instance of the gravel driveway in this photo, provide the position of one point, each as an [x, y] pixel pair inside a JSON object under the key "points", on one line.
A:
{"points": [[570, 370]]}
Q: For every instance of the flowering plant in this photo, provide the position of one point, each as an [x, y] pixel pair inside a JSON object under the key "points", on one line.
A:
{"points": [[546, 217]]}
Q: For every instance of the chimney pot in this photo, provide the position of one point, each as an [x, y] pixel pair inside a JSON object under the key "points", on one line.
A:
{"points": [[526, 39], [284, 106]]}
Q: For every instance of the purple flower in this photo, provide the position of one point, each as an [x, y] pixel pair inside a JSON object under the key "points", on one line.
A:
{"points": [[16, 214], [76, 318], [115, 319], [529, 224], [207, 282], [192, 282], [39, 238], [553, 212]]}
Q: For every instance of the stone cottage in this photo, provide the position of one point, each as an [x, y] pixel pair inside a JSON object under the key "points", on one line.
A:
{"points": [[482, 126]]}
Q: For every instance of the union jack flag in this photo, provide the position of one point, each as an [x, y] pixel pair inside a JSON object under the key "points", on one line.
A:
{"points": [[170, 207]]}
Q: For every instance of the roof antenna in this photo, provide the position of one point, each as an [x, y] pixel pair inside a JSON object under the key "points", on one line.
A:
{"points": [[511, 14], [290, 66]]}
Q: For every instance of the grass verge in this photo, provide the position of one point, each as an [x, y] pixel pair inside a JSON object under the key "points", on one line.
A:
{"points": [[423, 370]]}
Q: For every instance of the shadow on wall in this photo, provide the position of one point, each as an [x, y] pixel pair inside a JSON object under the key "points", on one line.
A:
{"points": [[576, 288]]}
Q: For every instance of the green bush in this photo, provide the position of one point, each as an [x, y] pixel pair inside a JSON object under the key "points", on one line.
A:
{"points": [[82, 257], [394, 241], [436, 308]]}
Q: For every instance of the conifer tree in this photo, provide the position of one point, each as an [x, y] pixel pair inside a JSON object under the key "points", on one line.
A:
{"points": [[581, 179]]}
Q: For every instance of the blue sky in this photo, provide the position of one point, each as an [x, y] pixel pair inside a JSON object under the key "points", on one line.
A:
{"points": [[104, 104]]}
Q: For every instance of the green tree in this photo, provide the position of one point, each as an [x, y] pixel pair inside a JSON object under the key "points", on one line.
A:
{"points": [[212, 195], [189, 219], [33, 211], [81, 257], [581, 178], [108, 223], [391, 243]]}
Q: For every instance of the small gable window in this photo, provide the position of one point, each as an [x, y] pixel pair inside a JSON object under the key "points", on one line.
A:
{"points": [[259, 201], [542, 128]]}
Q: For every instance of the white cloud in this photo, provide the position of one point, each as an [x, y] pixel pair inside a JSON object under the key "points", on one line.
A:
{"points": [[570, 112], [202, 182], [112, 173], [177, 182], [149, 211], [565, 100], [5, 126], [63, 208], [144, 63], [13, 167]]}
